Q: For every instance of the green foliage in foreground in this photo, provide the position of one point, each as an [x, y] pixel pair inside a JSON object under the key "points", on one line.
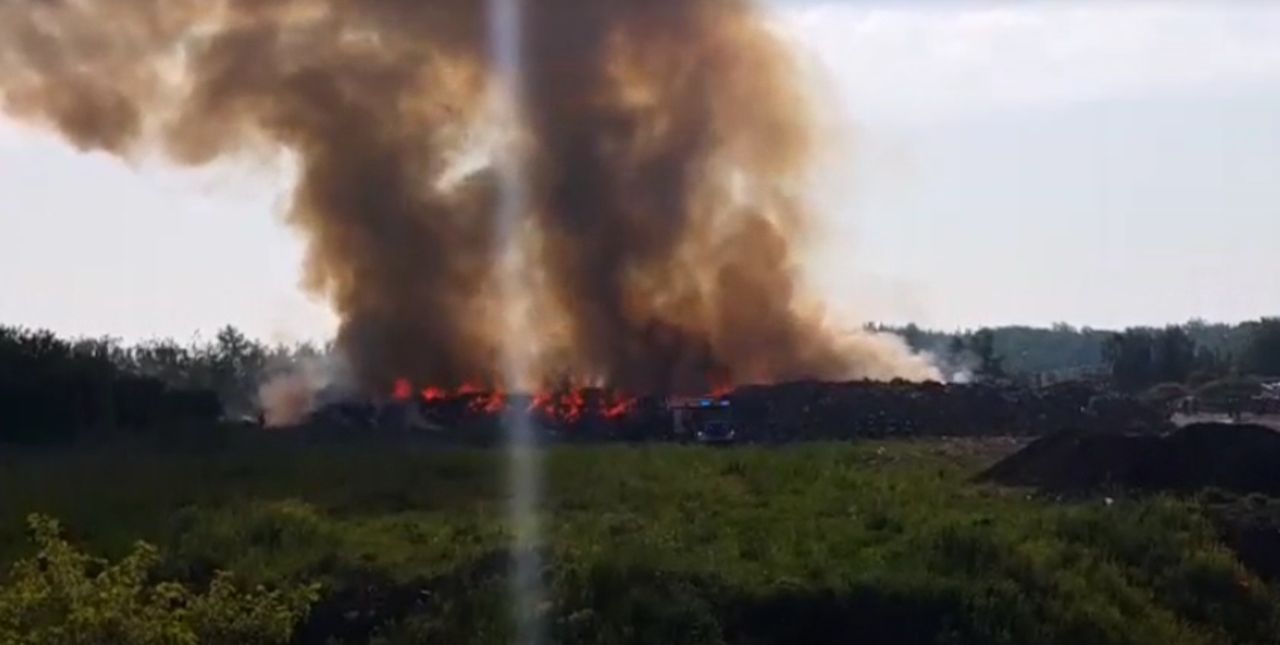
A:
{"points": [[65, 597], [870, 543]]}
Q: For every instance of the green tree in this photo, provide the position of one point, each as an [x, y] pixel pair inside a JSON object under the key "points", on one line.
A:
{"points": [[983, 346], [1261, 355], [914, 337], [165, 360], [1131, 357], [1208, 366], [1173, 355], [236, 362]]}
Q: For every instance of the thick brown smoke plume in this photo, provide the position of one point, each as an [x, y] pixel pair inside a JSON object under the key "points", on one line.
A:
{"points": [[667, 142]]}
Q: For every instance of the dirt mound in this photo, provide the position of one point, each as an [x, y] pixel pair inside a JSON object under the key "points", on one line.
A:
{"points": [[1236, 457]]}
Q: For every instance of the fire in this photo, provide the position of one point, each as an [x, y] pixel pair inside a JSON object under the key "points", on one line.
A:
{"points": [[403, 390], [542, 402], [572, 405], [721, 383], [491, 403], [568, 405], [619, 407]]}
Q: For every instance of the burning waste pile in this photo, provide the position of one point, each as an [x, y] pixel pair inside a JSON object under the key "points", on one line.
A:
{"points": [[785, 412], [660, 224], [565, 408], [476, 414]]}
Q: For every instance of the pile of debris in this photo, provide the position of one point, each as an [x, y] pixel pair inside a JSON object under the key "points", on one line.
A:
{"points": [[808, 411], [801, 411], [1234, 457]]}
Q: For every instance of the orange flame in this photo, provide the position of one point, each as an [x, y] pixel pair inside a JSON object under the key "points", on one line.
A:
{"points": [[570, 405], [541, 403], [574, 404], [619, 407], [489, 403]]}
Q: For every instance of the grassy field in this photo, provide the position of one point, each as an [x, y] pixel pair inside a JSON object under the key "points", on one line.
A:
{"points": [[868, 543]]}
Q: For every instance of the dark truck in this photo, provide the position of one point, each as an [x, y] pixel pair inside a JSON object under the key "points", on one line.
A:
{"points": [[706, 420], [717, 433]]}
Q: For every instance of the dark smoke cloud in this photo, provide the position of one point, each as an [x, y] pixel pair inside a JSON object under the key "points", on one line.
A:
{"points": [[668, 141]]}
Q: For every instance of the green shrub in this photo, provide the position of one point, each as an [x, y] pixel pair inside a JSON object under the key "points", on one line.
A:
{"points": [[62, 596], [872, 543]]}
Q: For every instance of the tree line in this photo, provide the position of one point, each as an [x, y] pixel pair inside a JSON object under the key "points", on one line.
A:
{"points": [[1134, 359], [53, 388]]}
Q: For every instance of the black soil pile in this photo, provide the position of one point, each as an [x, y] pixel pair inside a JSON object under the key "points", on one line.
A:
{"points": [[1236, 457]]}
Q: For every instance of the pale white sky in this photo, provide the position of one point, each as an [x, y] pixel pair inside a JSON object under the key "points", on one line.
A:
{"points": [[1098, 163]]}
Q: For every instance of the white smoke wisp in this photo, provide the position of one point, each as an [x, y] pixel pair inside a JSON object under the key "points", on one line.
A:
{"points": [[882, 356], [295, 389]]}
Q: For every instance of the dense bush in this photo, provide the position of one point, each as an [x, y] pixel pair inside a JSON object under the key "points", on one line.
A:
{"points": [[874, 543], [62, 596]]}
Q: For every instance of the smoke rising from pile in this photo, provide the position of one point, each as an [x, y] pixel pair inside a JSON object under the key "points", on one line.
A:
{"points": [[668, 142], [291, 391]]}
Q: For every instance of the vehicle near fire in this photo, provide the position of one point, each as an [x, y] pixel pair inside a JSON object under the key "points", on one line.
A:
{"points": [[717, 433], [705, 420]]}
